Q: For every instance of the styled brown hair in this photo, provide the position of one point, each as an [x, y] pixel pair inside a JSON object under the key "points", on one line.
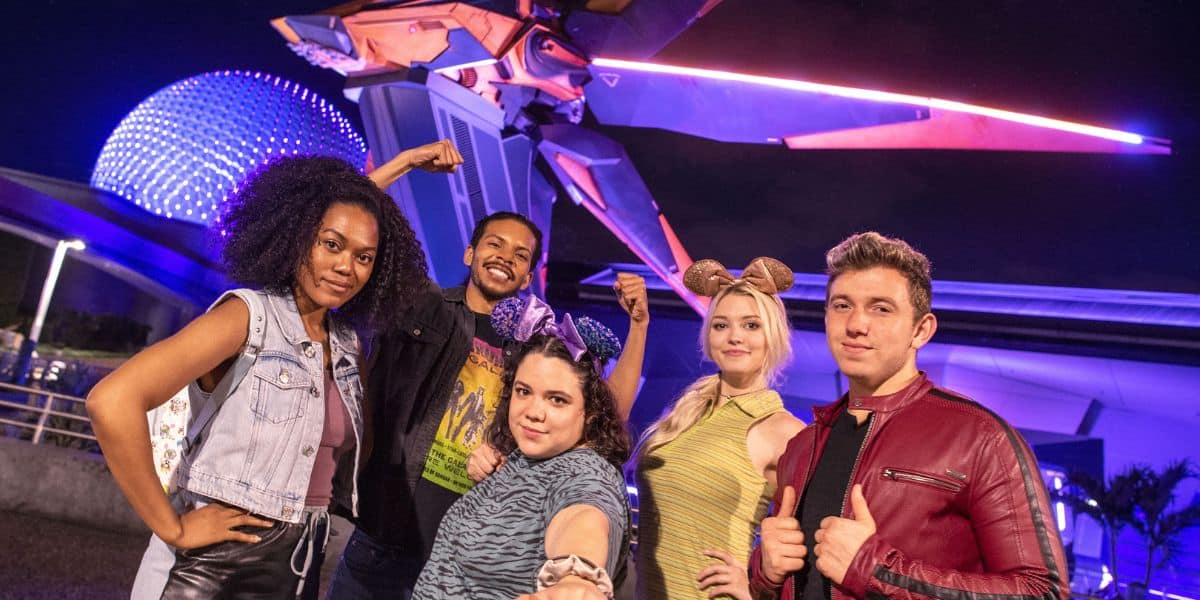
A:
{"points": [[868, 250], [603, 431]]}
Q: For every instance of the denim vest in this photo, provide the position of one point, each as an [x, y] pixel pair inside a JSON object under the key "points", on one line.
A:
{"points": [[259, 451]]}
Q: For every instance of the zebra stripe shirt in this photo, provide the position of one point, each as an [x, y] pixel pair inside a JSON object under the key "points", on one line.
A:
{"points": [[491, 542]]}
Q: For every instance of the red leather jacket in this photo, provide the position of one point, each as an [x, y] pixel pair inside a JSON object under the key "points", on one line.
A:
{"points": [[959, 504]]}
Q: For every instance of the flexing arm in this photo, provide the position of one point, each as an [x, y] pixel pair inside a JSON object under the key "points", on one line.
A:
{"points": [[438, 157], [118, 406], [627, 373]]}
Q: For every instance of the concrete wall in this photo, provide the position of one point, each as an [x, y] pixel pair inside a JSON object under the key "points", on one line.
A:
{"points": [[62, 483]]}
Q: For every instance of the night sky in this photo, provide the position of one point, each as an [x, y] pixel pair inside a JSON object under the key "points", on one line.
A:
{"points": [[74, 69]]}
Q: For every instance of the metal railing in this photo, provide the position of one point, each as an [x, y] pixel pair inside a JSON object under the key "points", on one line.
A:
{"points": [[44, 418]]}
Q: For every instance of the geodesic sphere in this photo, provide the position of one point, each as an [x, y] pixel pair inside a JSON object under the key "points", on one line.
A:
{"points": [[181, 152]]}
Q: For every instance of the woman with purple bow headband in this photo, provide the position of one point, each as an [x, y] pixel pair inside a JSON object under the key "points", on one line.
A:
{"points": [[559, 493], [706, 468]]}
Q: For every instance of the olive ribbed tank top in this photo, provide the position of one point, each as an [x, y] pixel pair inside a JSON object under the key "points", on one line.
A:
{"points": [[700, 492]]}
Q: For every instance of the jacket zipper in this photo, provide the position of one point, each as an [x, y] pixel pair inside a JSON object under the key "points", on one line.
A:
{"points": [[898, 475], [857, 461]]}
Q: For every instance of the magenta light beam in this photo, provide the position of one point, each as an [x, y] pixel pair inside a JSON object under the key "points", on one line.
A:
{"points": [[881, 96]]}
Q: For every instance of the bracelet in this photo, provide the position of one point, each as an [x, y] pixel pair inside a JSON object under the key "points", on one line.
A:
{"points": [[555, 569]]}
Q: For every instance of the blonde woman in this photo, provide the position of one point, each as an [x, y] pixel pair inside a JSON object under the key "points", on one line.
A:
{"points": [[706, 469]]}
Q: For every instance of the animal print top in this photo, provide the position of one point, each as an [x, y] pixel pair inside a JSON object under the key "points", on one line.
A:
{"points": [[491, 543]]}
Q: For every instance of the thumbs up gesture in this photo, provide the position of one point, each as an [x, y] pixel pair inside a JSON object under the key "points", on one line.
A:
{"points": [[782, 541], [838, 539]]}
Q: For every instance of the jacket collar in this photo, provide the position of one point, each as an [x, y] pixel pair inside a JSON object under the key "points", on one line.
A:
{"points": [[342, 339], [877, 404], [456, 294]]}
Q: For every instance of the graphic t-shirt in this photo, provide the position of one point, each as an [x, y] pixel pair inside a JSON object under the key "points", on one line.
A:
{"points": [[468, 413], [470, 410]]}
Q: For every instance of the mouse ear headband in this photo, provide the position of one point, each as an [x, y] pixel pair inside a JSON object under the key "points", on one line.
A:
{"points": [[708, 277], [520, 319]]}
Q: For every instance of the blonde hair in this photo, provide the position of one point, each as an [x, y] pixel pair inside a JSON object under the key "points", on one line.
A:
{"points": [[701, 396]]}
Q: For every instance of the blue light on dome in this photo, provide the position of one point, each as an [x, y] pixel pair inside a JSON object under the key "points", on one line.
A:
{"points": [[183, 150]]}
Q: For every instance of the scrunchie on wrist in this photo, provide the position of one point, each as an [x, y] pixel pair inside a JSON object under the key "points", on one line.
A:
{"points": [[555, 569]]}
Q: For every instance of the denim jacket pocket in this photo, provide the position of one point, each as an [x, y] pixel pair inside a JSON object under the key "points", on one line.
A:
{"points": [[281, 389]]}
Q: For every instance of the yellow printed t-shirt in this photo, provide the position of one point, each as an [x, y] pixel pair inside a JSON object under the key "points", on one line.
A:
{"points": [[468, 413]]}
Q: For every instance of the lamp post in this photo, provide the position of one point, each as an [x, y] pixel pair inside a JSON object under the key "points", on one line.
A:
{"points": [[26, 354]]}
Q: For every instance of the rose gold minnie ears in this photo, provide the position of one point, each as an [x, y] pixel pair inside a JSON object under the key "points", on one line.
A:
{"points": [[769, 275], [708, 277]]}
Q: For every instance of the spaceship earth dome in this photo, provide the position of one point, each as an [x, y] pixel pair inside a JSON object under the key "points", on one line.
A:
{"points": [[183, 150]]}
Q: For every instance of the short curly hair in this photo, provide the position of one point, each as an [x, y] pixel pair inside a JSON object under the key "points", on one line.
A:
{"points": [[603, 430], [270, 225]]}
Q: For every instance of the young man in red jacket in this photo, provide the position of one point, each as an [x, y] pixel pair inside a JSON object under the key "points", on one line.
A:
{"points": [[902, 489]]}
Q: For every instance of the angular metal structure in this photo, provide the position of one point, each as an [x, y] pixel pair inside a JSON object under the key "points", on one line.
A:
{"points": [[508, 82]]}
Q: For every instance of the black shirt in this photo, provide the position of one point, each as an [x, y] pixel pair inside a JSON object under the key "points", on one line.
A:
{"points": [[825, 494]]}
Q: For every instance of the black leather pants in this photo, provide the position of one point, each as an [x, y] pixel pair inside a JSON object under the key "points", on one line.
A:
{"points": [[261, 571]]}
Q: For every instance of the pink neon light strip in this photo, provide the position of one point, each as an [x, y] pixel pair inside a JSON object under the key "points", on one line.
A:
{"points": [[876, 95]]}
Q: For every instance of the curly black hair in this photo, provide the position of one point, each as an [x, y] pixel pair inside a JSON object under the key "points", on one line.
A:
{"points": [[603, 431], [270, 225]]}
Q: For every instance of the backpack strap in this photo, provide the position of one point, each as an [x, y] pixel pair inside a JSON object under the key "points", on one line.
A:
{"points": [[236, 372]]}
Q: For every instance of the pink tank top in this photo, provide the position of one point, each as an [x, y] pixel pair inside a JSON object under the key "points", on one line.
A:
{"points": [[336, 438]]}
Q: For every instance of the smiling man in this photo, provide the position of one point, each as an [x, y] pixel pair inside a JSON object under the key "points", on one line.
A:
{"points": [[433, 385], [902, 489]]}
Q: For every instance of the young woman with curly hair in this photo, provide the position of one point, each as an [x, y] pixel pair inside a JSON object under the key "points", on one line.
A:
{"points": [[559, 494], [326, 251]]}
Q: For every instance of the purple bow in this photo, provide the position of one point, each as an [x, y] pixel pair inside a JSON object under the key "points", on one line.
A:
{"points": [[538, 319]]}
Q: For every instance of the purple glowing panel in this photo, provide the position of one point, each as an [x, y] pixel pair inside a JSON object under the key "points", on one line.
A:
{"points": [[807, 115], [1113, 306], [728, 109], [182, 151]]}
